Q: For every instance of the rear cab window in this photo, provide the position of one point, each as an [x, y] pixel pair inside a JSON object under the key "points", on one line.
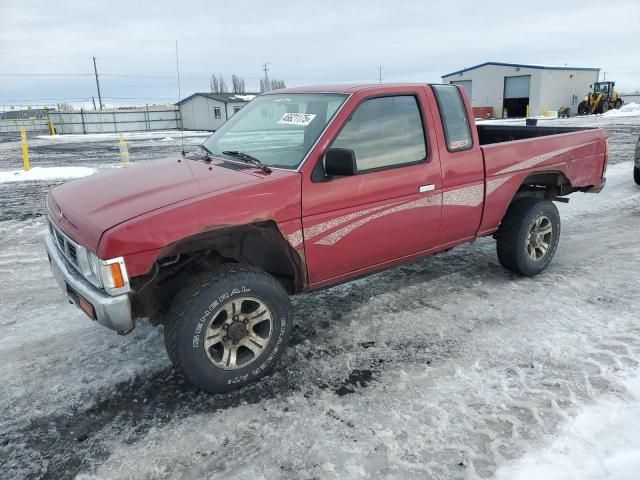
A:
{"points": [[453, 114]]}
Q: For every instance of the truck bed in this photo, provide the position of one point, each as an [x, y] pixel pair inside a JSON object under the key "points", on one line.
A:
{"points": [[489, 134], [577, 153]]}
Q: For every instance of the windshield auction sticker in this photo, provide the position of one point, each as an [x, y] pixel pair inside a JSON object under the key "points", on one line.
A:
{"points": [[302, 119]]}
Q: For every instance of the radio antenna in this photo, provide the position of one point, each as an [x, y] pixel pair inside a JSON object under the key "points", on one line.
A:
{"points": [[180, 98]]}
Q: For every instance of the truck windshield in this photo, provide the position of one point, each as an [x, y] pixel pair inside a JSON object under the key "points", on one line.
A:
{"points": [[277, 129]]}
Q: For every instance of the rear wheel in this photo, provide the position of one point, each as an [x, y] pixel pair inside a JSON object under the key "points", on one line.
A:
{"points": [[228, 328], [584, 108], [636, 174], [618, 104], [528, 236]]}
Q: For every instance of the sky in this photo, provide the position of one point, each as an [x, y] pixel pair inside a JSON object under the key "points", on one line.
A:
{"points": [[304, 42]]}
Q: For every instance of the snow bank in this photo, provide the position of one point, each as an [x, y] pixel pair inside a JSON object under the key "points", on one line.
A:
{"points": [[109, 137], [601, 442], [45, 173], [628, 110]]}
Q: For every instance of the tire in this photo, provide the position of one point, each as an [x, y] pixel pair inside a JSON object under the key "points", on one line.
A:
{"points": [[224, 308], [514, 242], [584, 108], [636, 174], [618, 105], [604, 107]]}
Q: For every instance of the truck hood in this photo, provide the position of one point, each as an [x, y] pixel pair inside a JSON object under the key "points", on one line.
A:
{"points": [[87, 207]]}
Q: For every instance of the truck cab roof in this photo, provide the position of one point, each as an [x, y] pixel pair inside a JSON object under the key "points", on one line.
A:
{"points": [[345, 88]]}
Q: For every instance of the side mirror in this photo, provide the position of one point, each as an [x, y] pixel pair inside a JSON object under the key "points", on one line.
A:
{"points": [[340, 162]]}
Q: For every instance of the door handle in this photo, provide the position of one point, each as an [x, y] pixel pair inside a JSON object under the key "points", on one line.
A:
{"points": [[427, 188]]}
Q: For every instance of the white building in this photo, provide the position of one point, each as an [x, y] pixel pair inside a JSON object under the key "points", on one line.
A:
{"points": [[515, 90], [208, 111]]}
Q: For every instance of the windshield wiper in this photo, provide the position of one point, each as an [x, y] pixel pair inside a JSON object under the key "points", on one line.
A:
{"points": [[247, 158]]}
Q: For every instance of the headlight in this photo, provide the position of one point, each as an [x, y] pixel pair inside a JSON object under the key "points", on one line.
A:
{"points": [[110, 274]]}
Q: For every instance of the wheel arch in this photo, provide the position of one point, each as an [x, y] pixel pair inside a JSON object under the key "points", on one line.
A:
{"points": [[260, 244], [548, 184]]}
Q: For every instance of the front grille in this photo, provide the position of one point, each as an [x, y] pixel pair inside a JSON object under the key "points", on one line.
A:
{"points": [[66, 246], [61, 242], [73, 253], [76, 256]]}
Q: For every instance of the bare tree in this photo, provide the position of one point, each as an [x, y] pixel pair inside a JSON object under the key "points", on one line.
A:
{"points": [[223, 84], [237, 84], [215, 84], [277, 84], [65, 107]]}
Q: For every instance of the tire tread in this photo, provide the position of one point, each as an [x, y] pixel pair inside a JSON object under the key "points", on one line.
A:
{"points": [[509, 234], [192, 289]]}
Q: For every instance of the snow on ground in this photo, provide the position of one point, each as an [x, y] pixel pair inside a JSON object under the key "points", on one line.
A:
{"points": [[45, 173], [627, 110], [447, 368], [601, 442], [109, 137]]}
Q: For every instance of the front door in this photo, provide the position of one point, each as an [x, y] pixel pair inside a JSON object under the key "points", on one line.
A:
{"points": [[391, 208]]}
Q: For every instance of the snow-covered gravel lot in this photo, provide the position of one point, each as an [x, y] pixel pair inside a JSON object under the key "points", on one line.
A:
{"points": [[446, 368]]}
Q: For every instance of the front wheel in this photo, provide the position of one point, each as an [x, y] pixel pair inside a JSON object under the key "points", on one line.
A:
{"points": [[584, 108], [636, 174], [528, 236], [228, 327]]}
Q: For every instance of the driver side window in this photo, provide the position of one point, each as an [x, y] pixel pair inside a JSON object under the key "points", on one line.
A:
{"points": [[385, 132]]}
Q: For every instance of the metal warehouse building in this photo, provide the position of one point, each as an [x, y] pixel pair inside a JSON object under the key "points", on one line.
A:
{"points": [[208, 111], [515, 90]]}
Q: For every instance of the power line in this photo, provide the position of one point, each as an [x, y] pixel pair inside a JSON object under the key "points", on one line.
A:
{"points": [[46, 74], [88, 97], [124, 75]]}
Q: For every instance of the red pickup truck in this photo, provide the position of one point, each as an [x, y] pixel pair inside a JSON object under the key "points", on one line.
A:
{"points": [[305, 188]]}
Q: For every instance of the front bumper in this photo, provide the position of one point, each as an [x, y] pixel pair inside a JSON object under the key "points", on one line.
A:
{"points": [[113, 312]]}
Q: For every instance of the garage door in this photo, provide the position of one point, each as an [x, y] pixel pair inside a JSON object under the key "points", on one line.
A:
{"points": [[466, 84], [517, 87]]}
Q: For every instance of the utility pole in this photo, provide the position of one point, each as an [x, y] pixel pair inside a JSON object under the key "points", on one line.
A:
{"points": [[604, 78], [94, 102], [265, 69], [95, 69], [379, 73]]}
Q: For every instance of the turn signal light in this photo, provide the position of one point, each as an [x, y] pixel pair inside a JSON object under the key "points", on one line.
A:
{"points": [[86, 307], [116, 275]]}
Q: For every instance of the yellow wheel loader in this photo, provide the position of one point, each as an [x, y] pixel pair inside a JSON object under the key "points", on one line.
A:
{"points": [[602, 99]]}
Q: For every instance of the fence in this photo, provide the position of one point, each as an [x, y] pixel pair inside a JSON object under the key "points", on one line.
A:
{"points": [[91, 121], [116, 121], [34, 119], [630, 98]]}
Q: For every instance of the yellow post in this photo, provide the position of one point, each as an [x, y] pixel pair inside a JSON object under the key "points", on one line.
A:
{"points": [[527, 111], [25, 149], [124, 151]]}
